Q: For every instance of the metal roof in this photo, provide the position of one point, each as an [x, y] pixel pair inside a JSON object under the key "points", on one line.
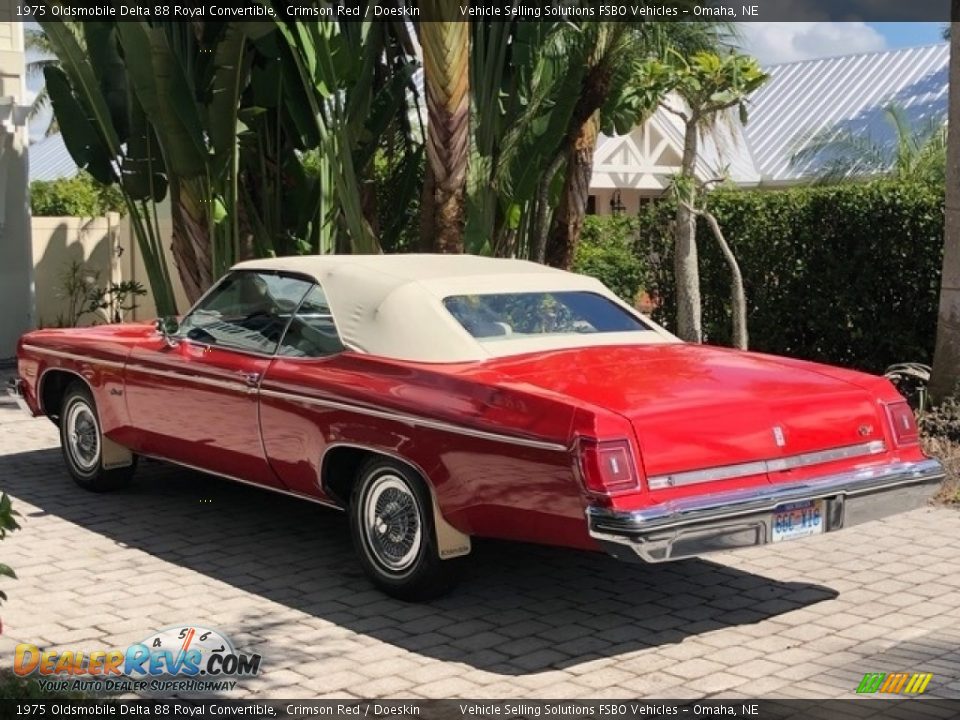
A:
{"points": [[848, 93], [50, 159]]}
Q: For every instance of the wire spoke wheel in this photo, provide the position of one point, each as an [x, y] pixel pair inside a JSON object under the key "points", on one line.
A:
{"points": [[82, 443], [392, 523], [393, 532], [83, 436]]}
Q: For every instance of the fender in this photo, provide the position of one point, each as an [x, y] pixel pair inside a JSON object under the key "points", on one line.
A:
{"points": [[113, 454], [451, 543]]}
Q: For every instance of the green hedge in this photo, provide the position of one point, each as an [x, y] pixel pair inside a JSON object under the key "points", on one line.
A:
{"points": [[79, 196], [845, 274], [606, 252]]}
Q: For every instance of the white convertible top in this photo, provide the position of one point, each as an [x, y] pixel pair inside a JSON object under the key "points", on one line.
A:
{"points": [[392, 305]]}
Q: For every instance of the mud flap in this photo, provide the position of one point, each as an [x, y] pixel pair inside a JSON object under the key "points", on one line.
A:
{"points": [[451, 543], [113, 455]]}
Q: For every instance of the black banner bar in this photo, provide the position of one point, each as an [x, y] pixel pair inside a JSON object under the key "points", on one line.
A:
{"points": [[866, 709], [498, 10]]}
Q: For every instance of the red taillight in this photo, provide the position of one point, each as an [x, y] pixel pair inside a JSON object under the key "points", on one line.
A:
{"points": [[903, 424], [608, 467]]}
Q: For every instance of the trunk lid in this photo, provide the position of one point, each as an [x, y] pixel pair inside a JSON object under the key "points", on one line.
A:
{"points": [[695, 407]]}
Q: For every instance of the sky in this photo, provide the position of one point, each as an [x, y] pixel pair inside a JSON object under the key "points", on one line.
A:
{"points": [[790, 41]]}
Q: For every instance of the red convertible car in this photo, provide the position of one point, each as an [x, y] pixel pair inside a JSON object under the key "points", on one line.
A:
{"points": [[440, 398]]}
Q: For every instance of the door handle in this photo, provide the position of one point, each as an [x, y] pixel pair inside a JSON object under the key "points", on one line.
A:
{"points": [[251, 379]]}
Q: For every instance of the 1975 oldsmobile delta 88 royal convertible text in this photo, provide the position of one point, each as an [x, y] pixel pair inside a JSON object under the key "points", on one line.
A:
{"points": [[440, 398]]}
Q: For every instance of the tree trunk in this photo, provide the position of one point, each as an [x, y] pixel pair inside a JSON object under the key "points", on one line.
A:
{"points": [[446, 52], [541, 219], [946, 359], [369, 204], [568, 219], [190, 243], [580, 144], [738, 297], [686, 272], [428, 231]]}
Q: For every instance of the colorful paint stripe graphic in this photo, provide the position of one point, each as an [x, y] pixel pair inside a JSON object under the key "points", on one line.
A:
{"points": [[895, 683]]}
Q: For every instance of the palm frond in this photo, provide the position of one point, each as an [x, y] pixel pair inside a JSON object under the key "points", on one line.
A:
{"points": [[915, 153]]}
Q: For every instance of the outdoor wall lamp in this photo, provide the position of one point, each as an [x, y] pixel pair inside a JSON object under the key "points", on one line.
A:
{"points": [[616, 204]]}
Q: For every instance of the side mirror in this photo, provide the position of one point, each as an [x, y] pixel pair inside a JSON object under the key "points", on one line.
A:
{"points": [[168, 327]]}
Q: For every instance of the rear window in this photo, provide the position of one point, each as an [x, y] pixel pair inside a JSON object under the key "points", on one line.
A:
{"points": [[502, 316]]}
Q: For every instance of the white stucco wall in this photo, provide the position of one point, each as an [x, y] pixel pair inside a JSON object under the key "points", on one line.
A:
{"points": [[16, 267]]}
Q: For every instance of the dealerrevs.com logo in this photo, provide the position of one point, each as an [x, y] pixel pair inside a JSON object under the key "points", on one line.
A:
{"points": [[176, 659]]}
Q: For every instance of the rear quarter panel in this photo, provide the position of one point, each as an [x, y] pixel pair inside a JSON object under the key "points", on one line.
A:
{"points": [[453, 423]]}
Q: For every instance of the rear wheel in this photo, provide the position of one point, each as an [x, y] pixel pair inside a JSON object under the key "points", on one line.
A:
{"points": [[82, 443], [391, 522]]}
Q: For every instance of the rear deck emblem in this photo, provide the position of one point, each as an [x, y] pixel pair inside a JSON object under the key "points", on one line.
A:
{"points": [[778, 436]]}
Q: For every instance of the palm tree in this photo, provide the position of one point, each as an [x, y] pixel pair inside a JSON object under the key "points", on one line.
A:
{"points": [[946, 358], [614, 54], [710, 85], [446, 76], [36, 42], [605, 47], [916, 153]]}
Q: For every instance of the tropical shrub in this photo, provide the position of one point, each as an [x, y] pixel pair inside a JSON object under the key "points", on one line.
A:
{"points": [[8, 523], [940, 435], [845, 274], [606, 252], [78, 196], [81, 291]]}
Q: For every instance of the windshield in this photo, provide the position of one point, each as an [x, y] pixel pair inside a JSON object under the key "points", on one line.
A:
{"points": [[504, 316]]}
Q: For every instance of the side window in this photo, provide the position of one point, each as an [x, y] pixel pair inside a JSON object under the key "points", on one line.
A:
{"points": [[246, 311], [312, 332]]}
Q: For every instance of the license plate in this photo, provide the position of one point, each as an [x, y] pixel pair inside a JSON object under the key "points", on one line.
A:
{"points": [[797, 520]]}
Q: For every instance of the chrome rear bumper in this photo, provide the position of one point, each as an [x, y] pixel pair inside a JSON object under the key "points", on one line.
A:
{"points": [[15, 391], [743, 518]]}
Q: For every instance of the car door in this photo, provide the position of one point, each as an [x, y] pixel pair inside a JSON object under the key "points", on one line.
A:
{"points": [[296, 433], [195, 401]]}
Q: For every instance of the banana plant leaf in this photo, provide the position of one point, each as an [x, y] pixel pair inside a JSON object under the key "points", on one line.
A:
{"points": [[142, 171], [80, 135], [74, 62], [163, 89], [101, 43]]}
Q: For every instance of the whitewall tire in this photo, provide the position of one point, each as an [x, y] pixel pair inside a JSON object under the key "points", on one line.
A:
{"points": [[391, 523], [82, 443]]}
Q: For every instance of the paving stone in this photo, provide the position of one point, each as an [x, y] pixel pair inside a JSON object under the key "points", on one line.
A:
{"points": [[715, 682], [452, 687], [695, 668], [803, 619]]}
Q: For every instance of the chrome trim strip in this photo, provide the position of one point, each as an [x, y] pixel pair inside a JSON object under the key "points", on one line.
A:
{"points": [[197, 379], [72, 356], [386, 415], [416, 421], [734, 503], [280, 491], [758, 467], [724, 521]]}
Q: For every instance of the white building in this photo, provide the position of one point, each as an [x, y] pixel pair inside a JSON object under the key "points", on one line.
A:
{"points": [[16, 266], [801, 99]]}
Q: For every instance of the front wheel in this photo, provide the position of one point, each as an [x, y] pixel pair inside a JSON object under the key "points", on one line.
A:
{"points": [[82, 443], [391, 522]]}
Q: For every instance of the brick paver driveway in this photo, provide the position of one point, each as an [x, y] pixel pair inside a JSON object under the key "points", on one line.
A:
{"points": [[805, 619]]}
